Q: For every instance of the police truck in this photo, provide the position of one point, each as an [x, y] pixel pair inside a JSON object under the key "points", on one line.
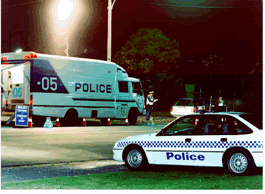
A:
{"points": [[71, 88]]}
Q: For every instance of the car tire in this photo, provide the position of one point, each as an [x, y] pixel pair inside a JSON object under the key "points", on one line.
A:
{"points": [[240, 162], [136, 160]]}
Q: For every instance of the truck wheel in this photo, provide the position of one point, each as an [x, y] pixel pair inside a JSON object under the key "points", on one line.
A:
{"points": [[38, 121], [240, 162], [104, 121], [132, 118], [136, 159], [70, 118]]}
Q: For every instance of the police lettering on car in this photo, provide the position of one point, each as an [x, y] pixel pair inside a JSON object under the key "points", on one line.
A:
{"points": [[182, 156]]}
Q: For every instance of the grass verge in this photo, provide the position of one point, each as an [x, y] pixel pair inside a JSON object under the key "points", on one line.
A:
{"points": [[143, 180]]}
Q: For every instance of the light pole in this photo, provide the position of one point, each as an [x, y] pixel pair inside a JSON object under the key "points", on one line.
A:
{"points": [[110, 7], [65, 8]]}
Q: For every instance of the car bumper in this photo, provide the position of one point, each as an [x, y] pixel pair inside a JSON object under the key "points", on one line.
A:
{"points": [[117, 154], [258, 159]]}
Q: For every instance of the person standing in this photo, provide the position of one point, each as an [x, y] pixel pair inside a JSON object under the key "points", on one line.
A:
{"points": [[221, 102], [149, 107]]}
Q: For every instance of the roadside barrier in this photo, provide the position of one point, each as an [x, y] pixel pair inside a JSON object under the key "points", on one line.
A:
{"points": [[84, 121], [57, 122], [109, 123], [126, 122], [30, 122]]}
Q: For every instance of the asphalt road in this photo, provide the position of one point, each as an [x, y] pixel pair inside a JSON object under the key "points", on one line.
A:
{"points": [[22, 146]]}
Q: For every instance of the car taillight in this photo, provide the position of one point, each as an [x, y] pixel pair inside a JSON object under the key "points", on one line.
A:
{"points": [[33, 55], [197, 108], [26, 57], [193, 109], [4, 58], [171, 110]]}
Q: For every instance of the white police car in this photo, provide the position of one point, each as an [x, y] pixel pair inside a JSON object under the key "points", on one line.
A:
{"points": [[228, 139]]}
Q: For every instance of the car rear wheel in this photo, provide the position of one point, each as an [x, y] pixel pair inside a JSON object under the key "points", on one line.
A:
{"points": [[136, 159], [240, 162]]}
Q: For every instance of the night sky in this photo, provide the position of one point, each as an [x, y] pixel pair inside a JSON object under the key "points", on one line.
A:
{"points": [[232, 28]]}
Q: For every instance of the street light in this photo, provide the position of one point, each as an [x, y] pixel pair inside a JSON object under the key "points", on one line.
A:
{"points": [[110, 7], [65, 8]]}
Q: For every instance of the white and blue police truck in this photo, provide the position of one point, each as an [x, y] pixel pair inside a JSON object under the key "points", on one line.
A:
{"points": [[72, 88], [230, 140]]}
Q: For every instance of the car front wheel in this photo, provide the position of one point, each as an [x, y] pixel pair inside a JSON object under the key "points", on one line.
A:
{"points": [[239, 162], [136, 159]]}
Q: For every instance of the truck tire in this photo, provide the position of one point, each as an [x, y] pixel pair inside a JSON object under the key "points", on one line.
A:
{"points": [[70, 118], [132, 118], [104, 121], [240, 162], [38, 121]]}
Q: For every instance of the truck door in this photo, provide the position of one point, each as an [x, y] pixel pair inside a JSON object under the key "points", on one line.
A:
{"points": [[122, 99], [138, 95]]}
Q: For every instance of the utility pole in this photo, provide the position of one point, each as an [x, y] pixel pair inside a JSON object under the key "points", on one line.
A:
{"points": [[67, 45], [110, 7]]}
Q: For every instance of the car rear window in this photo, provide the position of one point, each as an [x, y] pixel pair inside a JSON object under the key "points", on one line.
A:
{"points": [[184, 103], [255, 120]]}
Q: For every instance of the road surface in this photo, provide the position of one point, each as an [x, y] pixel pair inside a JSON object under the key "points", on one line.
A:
{"points": [[21, 146]]}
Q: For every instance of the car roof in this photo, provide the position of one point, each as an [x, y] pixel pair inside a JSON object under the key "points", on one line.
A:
{"points": [[218, 113]]}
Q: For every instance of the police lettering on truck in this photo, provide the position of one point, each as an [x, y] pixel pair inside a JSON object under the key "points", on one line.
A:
{"points": [[85, 87]]}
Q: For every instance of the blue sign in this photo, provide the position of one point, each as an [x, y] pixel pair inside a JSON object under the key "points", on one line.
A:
{"points": [[22, 115]]}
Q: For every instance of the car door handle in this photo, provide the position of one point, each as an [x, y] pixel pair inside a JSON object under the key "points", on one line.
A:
{"points": [[188, 140], [223, 139]]}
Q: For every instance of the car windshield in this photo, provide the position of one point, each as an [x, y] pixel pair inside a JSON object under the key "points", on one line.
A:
{"points": [[254, 120]]}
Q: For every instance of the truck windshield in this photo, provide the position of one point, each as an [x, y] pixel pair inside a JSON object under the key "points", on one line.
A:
{"points": [[137, 88]]}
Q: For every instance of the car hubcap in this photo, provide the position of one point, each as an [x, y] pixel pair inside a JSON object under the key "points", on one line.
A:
{"points": [[238, 163], [134, 158]]}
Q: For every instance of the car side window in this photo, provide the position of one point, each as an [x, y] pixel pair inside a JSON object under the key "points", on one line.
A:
{"points": [[185, 126], [241, 128], [224, 125]]}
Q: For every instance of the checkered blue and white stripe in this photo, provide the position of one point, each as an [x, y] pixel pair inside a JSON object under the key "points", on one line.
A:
{"points": [[195, 144]]}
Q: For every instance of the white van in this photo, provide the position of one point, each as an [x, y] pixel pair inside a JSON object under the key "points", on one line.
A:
{"points": [[72, 88]]}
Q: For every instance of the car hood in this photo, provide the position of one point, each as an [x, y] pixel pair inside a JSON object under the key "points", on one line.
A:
{"points": [[139, 137]]}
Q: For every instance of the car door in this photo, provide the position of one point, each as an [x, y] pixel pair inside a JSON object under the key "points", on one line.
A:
{"points": [[216, 138], [173, 145]]}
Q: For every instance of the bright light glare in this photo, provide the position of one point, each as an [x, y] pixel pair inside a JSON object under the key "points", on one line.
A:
{"points": [[19, 51], [64, 9]]}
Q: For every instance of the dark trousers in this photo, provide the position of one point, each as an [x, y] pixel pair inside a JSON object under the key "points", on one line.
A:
{"points": [[149, 110]]}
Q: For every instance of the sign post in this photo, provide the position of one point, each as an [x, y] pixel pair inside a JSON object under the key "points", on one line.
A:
{"points": [[22, 116]]}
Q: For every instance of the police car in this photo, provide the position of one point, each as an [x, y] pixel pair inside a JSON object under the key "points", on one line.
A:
{"points": [[225, 139]]}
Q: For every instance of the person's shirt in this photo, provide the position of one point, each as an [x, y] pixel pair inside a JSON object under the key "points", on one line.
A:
{"points": [[150, 100], [222, 103]]}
